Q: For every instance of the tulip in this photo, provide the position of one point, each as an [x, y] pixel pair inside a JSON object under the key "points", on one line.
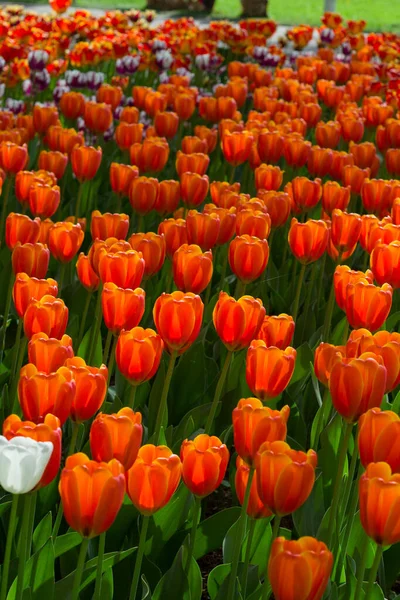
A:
{"points": [[143, 194], [356, 385], [193, 163], [86, 274], [153, 478], [85, 162], [169, 193], [202, 229], [138, 354], [253, 424], [236, 147], [150, 156], [299, 569], [308, 241], [192, 270], [72, 105], [345, 230], [277, 331], [354, 177], [319, 161], [268, 177], [296, 151], [44, 231], [53, 161], [109, 94], [344, 275], [122, 308], [108, 225], [154, 102], [367, 305], [124, 269], [255, 508], [152, 247], [23, 462], [277, 467], [98, 116], [184, 105], [121, 177], [90, 391], [49, 354], [253, 223], [328, 134], [248, 257], [41, 394], [278, 205], [237, 322], [44, 117], [47, 315], [378, 487], [385, 263], [193, 144], [376, 196], [48, 431], [32, 259], [91, 493], [378, 438], [208, 135], [27, 288], [194, 189], [352, 130], [178, 317], [334, 196], [304, 193], [13, 158], [65, 240], [166, 124], [204, 461], [22, 229], [270, 146], [269, 369]]}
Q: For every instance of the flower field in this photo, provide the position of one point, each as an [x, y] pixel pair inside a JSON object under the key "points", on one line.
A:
{"points": [[200, 257]]}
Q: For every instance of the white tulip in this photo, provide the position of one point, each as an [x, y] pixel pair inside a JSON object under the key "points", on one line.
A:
{"points": [[22, 463]]}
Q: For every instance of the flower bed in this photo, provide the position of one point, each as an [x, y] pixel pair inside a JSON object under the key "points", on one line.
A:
{"points": [[200, 230]]}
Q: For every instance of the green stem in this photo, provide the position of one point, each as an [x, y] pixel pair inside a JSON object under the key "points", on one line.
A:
{"points": [[164, 397], [344, 444], [321, 281], [95, 328], [361, 571], [349, 483], [208, 294], [139, 558], [310, 288], [239, 539], [99, 572], [223, 268], [13, 390], [140, 224], [57, 522], [218, 392], [74, 437], [132, 396], [275, 531], [320, 424], [84, 317], [78, 201], [5, 316], [16, 348], [31, 522], [107, 346], [79, 569], [298, 292], [7, 189], [25, 542], [111, 361], [328, 314], [192, 538], [232, 176], [240, 289], [7, 554], [250, 536], [61, 276], [373, 572]]}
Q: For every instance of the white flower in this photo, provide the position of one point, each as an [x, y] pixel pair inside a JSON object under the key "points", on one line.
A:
{"points": [[22, 463]]}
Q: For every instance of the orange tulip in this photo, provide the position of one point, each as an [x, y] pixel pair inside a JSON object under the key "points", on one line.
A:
{"points": [[184, 105], [299, 569], [143, 194], [44, 200], [27, 288], [121, 177], [109, 94], [310, 112], [270, 146], [378, 438], [319, 161], [175, 234], [277, 466], [53, 161], [150, 156], [204, 461], [194, 188], [208, 135], [49, 354], [202, 229], [194, 163], [154, 102], [91, 388], [352, 130], [278, 205], [227, 222], [367, 305], [108, 225], [23, 183], [345, 230], [32, 259], [192, 270], [304, 193], [326, 356], [65, 239], [269, 369], [255, 508], [44, 117], [91, 493], [168, 197], [339, 162], [46, 315], [41, 394], [385, 263], [268, 177], [328, 134], [376, 196], [98, 116], [378, 487], [153, 478], [166, 124], [344, 275], [127, 134], [192, 144], [13, 158], [253, 223], [248, 257], [236, 147], [125, 269], [122, 308], [85, 162], [354, 177], [72, 105], [356, 385], [296, 151], [308, 241], [178, 317], [277, 331], [237, 322], [86, 275], [118, 436], [152, 248], [138, 354], [48, 431], [334, 196], [22, 229]]}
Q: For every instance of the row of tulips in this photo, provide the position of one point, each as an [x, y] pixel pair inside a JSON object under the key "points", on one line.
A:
{"points": [[142, 390]]}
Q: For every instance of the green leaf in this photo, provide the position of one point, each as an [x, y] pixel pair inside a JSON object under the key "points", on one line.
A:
{"points": [[393, 321], [191, 422], [38, 574], [211, 531], [66, 542], [357, 541], [155, 396], [230, 541], [84, 347], [303, 359], [190, 374], [218, 582], [174, 584], [260, 544], [107, 585], [327, 456], [42, 532], [396, 404], [320, 420], [391, 564], [308, 517]]}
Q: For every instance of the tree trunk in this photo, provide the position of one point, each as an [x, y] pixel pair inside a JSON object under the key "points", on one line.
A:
{"points": [[255, 8]]}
